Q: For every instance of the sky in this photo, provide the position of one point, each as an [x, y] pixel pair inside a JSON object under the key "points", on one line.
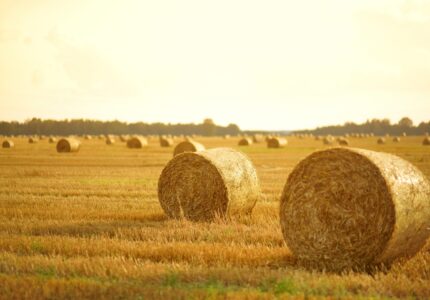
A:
{"points": [[272, 65]]}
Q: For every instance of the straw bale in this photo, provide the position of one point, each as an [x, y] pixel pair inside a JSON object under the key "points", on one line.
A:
{"points": [[188, 146], [66, 145]]}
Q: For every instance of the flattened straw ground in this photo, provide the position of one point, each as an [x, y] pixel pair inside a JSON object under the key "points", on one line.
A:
{"points": [[137, 142], [202, 185], [245, 141], [188, 146], [166, 142], [276, 142], [346, 208], [66, 145], [8, 144]]}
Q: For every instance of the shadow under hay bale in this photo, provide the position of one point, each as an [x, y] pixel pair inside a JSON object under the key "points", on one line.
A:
{"points": [[67, 145], [347, 208], [137, 142], [276, 142], [245, 142], [8, 144], [188, 146], [203, 185]]}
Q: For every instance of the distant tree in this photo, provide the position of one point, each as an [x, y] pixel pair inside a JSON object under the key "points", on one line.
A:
{"points": [[406, 122]]}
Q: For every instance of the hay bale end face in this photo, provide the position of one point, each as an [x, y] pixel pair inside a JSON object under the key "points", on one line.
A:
{"points": [[137, 142], [32, 140], [166, 142], [8, 144], [203, 185], [188, 146], [245, 142], [346, 208], [276, 142], [67, 145]]}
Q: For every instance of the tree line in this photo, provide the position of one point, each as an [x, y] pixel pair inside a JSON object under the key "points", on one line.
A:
{"points": [[375, 126], [38, 126]]}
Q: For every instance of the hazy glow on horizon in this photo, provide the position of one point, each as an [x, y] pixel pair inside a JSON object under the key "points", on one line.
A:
{"points": [[260, 64]]}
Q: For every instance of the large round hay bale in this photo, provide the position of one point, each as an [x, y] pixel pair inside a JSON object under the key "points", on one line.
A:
{"points": [[110, 140], [32, 140], [245, 141], [396, 139], [166, 142], [52, 140], [67, 145], [381, 141], [328, 140], [188, 146], [8, 144], [202, 185], [88, 137], [426, 141], [346, 208], [276, 142], [137, 142]]}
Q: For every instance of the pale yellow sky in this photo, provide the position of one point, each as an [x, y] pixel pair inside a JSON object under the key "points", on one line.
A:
{"points": [[260, 64]]}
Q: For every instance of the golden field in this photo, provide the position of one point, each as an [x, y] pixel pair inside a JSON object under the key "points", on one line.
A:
{"points": [[88, 225]]}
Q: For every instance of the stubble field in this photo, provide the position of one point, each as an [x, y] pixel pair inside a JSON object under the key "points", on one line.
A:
{"points": [[89, 225]]}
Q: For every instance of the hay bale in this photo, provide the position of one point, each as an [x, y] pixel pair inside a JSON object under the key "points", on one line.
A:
{"points": [[381, 141], [343, 141], [257, 138], [137, 142], [276, 142], [188, 146], [404, 134], [426, 141], [8, 144], [396, 139], [166, 141], [52, 140], [124, 138], [67, 145], [246, 141], [226, 137], [32, 140], [328, 140], [346, 208], [110, 140], [88, 137], [202, 185]]}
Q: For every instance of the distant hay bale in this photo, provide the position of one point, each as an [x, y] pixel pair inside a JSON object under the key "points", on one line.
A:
{"points": [[137, 142], [245, 141], [426, 141], [404, 134], [317, 138], [52, 140], [110, 140], [226, 137], [67, 145], [166, 142], [124, 138], [381, 141], [396, 139], [257, 138], [328, 140], [202, 185], [343, 141], [188, 146], [276, 142], [32, 140], [8, 144], [346, 208], [88, 137]]}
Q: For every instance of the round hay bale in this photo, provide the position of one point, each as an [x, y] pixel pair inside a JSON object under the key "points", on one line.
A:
{"points": [[52, 140], [8, 144], [426, 141], [404, 134], [381, 141], [257, 138], [188, 146], [328, 140], [110, 140], [276, 142], [67, 145], [137, 142], [347, 208], [32, 140], [166, 142], [88, 137], [343, 141], [396, 139], [203, 185], [245, 141], [226, 137]]}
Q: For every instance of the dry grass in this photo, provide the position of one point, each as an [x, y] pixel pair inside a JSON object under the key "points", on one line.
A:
{"points": [[89, 226]]}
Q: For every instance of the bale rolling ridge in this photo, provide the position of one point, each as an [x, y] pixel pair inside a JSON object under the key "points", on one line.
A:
{"points": [[137, 142], [188, 146], [276, 142], [166, 142], [245, 142], [8, 144], [347, 208], [67, 145], [203, 185]]}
